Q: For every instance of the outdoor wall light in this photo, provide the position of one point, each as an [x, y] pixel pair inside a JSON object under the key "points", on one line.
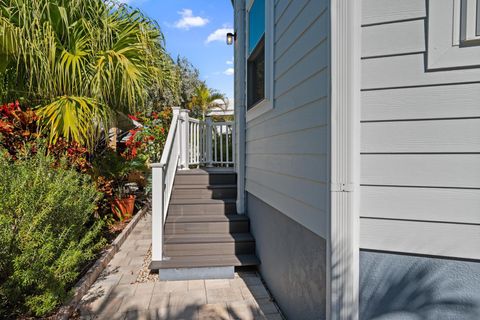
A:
{"points": [[231, 37]]}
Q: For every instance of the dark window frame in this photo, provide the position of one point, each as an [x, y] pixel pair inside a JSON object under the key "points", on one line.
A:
{"points": [[256, 84]]}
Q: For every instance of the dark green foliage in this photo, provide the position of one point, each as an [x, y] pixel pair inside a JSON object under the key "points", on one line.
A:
{"points": [[46, 232]]}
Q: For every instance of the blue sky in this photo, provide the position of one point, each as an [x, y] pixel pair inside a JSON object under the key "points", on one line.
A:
{"points": [[196, 29]]}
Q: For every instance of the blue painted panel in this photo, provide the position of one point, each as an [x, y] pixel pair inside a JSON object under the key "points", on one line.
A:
{"points": [[256, 27], [394, 287]]}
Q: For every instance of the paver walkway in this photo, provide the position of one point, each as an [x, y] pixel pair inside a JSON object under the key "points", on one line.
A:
{"points": [[122, 292]]}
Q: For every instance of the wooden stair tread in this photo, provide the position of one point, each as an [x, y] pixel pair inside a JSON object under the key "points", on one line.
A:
{"points": [[181, 201], [207, 238], [208, 186], [206, 218], [211, 171], [206, 261]]}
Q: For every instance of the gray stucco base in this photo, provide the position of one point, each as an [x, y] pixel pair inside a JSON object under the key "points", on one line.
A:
{"points": [[395, 286], [292, 261]]}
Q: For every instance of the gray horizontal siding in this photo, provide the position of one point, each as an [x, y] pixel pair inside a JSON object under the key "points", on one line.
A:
{"points": [[425, 136], [442, 239], [422, 204], [430, 170], [385, 11], [420, 140], [286, 148], [438, 102]]}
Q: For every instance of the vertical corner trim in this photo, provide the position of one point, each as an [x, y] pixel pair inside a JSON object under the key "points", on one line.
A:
{"points": [[343, 273]]}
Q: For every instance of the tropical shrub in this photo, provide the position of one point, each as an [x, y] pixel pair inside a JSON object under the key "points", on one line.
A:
{"points": [[47, 233], [17, 128], [205, 99], [148, 140], [82, 61]]}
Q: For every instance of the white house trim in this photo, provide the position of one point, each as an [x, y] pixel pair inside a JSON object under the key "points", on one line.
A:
{"points": [[343, 239], [266, 104], [240, 102]]}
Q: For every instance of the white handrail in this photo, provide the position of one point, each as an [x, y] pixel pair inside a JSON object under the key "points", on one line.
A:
{"points": [[163, 174]]}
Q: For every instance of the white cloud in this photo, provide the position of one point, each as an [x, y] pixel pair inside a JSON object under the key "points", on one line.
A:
{"points": [[219, 35], [229, 72], [229, 62], [188, 20]]}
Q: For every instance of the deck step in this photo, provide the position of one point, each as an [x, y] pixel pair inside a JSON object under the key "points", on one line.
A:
{"points": [[204, 236], [204, 178], [209, 244], [202, 206], [211, 224], [197, 191], [206, 261], [207, 218], [208, 238]]}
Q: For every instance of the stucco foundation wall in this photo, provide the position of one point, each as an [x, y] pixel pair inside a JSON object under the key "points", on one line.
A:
{"points": [[292, 261], [394, 286]]}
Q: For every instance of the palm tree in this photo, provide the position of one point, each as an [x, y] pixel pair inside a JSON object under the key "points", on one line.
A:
{"points": [[81, 62], [206, 99]]}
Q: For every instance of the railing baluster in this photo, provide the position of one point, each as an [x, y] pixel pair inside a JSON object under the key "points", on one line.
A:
{"points": [[227, 150], [214, 128], [197, 142]]}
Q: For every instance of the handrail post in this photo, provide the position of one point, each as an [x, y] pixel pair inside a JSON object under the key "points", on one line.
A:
{"points": [[158, 182], [208, 127], [184, 138]]}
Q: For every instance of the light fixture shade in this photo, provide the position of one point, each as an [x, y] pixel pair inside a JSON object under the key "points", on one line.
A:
{"points": [[230, 38]]}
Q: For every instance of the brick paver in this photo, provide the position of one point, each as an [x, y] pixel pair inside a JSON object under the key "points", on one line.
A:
{"points": [[117, 295]]}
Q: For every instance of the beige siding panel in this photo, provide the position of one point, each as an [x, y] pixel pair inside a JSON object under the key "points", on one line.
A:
{"points": [[306, 32], [310, 141], [428, 204], [304, 166], [442, 136], [429, 170], [313, 219], [393, 38], [379, 11], [442, 239], [409, 71], [456, 101], [307, 116], [309, 192]]}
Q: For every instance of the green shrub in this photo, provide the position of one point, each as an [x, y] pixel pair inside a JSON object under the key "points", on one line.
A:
{"points": [[46, 232]]}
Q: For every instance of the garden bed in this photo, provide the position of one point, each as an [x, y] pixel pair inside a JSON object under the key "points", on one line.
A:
{"points": [[100, 264]]}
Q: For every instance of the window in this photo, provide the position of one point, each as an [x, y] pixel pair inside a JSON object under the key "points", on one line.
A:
{"points": [[259, 52], [469, 19], [256, 75], [453, 34]]}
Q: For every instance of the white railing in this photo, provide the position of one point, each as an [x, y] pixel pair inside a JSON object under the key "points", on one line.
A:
{"points": [[190, 142], [196, 148], [211, 143], [163, 174], [223, 143]]}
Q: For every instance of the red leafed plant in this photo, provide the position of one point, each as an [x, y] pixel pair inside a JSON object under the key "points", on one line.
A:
{"points": [[148, 141], [17, 127], [76, 155]]}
